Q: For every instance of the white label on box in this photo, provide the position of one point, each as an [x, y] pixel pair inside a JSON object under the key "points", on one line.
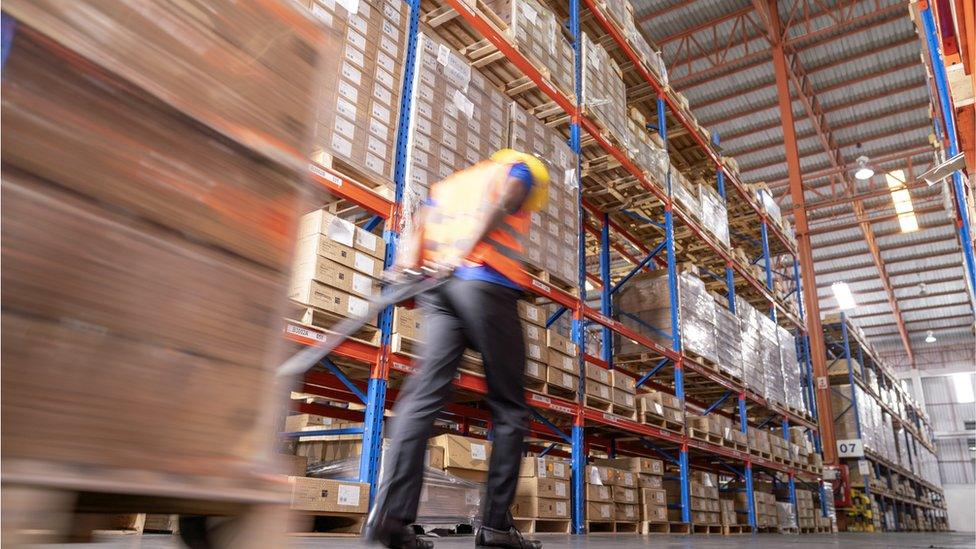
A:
{"points": [[346, 108], [340, 146], [366, 239], [478, 451], [375, 163], [448, 140], [471, 497], [381, 113], [593, 477], [559, 469], [628, 478], [863, 467], [363, 262], [534, 351], [345, 127], [446, 155], [356, 39], [420, 177], [561, 505], [322, 14], [351, 73], [418, 158], [391, 13], [532, 313], [541, 468], [567, 380], [359, 23], [532, 368], [378, 128], [561, 489], [385, 62], [391, 30], [354, 55], [348, 495], [376, 146], [382, 94], [534, 332], [658, 409], [471, 156], [361, 284], [386, 79], [357, 307], [449, 125], [463, 104], [423, 125], [605, 511], [389, 46], [450, 110], [352, 6]]}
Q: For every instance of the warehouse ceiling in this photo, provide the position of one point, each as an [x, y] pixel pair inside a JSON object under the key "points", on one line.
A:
{"points": [[864, 93]]}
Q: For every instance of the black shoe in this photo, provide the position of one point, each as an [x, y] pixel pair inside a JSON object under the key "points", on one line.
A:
{"points": [[511, 539], [395, 535]]}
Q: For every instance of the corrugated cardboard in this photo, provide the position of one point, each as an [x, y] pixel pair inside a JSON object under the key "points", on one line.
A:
{"points": [[560, 360], [560, 343], [598, 510], [623, 494], [596, 492], [533, 314], [598, 390], [543, 487], [650, 497], [626, 512], [597, 373], [623, 382], [656, 513], [293, 465], [463, 452], [623, 398], [545, 467], [649, 481], [327, 271], [319, 494]]}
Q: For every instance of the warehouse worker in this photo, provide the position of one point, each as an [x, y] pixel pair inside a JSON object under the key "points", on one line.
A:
{"points": [[471, 232]]}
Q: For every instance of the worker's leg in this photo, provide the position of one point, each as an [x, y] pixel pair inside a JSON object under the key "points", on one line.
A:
{"points": [[491, 322], [421, 399]]}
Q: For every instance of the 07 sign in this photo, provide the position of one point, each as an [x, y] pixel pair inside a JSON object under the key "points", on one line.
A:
{"points": [[850, 448]]}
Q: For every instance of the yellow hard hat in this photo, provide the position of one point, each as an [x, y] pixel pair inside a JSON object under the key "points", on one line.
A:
{"points": [[540, 176]]}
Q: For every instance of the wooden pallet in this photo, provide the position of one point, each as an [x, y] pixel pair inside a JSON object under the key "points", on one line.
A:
{"points": [[616, 526], [543, 526], [654, 420], [706, 528], [372, 182], [597, 403], [558, 391], [552, 280], [325, 320], [648, 527], [734, 529], [624, 411], [403, 345], [792, 530], [705, 436], [330, 524], [704, 361]]}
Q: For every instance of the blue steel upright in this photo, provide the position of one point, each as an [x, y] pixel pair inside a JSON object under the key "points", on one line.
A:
{"points": [[679, 387], [945, 104], [750, 495], [606, 306], [369, 460], [578, 449], [764, 232]]}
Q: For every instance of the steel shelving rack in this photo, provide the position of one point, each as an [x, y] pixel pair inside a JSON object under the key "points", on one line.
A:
{"points": [[360, 373], [844, 343]]}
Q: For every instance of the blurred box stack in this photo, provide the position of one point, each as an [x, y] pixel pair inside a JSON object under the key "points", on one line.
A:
{"points": [[753, 374], [806, 511], [685, 193], [645, 150], [714, 213], [647, 298], [705, 498], [457, 119], [651, 57], [543, 489], [150, 195], [624, 492], [599, 497], [728, 342], [536, 354], [624, 391], [357, 117], [538, 34], [563, 371], [604, 93], [792, 388], [464, 457], [641, 479], [335, 269], [551, 245], [779, 446], [727, 513], [759, 442]]}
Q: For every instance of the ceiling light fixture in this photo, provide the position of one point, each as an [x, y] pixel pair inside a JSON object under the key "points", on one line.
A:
{"points": [[845, 299], [863, 170], [929, 337]]}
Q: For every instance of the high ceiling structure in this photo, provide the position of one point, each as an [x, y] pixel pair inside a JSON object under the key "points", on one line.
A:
{"points": [[858, 88]]}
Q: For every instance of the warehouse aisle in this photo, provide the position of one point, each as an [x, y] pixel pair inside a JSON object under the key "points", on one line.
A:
{"points": [[934, 540]]}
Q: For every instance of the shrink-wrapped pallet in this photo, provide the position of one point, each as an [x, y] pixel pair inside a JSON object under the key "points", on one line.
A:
{"points": [[771, 360], [604, 93], [154, 157], [728, 341], [644, 305], [714, 214], [644, 150], [753, 369], [792, 387], [685, 194]]}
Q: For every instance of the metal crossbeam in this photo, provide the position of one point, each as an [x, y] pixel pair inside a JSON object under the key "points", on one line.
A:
{"points": [[718, 402], [644, 378], [659, 451], [329, 365], [552, 426]]}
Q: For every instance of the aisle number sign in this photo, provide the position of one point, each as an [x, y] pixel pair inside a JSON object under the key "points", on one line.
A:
{"points": [[850, 448]]}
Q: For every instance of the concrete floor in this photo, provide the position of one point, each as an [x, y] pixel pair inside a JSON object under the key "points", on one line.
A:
{"points": [[617, 541]]}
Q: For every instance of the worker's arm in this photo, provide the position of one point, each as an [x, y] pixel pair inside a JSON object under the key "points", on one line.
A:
{"points": [[409, 250]]}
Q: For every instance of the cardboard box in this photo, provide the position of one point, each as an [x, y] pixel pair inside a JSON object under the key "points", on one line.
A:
{"points": [[319, 494], [561, 379], [532, 314], [562, 361], [533, 333], [536, 370], [623, 494], [538, 507], [408, 322], [597, 373], [626, 512], [636, 464], [623, 382], [654, 513], [463, 452], [543, 487], [650, 497], [598, 510], [623, 398], [545, 467], [331, 300], [649, 481], [330, 273], [293, 465], [536, 351], [308, 247], [560, 343], [342, 231], [598, 390], [597, 492]]}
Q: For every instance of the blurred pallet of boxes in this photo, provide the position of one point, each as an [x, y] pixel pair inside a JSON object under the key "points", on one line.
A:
{"points": [[542, 497]]}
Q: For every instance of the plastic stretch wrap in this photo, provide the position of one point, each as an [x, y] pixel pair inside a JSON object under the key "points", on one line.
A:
{"points": [[538, 33], [445, 498], [753, 371], [771, 360], [686, 194], [554, 231], [644, 305], [714, 214], [644, 151], [728, 341], [150, 194], [785, 515], [792, 387], [604, 93], [769, 205], [651, 57]]}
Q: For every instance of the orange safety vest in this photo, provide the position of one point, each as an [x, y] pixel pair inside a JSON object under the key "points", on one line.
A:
{"points": [[458, 206]]}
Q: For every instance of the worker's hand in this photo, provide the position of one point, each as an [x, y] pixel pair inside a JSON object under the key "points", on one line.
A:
{"points": [[439, 269]]}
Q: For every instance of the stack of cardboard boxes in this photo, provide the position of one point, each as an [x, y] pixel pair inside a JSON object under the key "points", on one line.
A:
{"points": [[536, 353], [752, 366], [464, 457], [714, 213], [552, 242], [543, 490], [759, 442], [599, 497], [772, 362], [358, 112], [661, 410], [779, 447], [728, 342], [767, 515], [598, 386], [649, 503], [705, 506], [624, 392], [537, 33], [806, 511], [645, 148], [336, 266], [563, 373], [727, 512], [604, 93]]}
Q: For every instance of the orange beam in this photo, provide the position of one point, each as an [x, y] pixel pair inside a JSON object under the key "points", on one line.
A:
{"points": [[818, 352]]}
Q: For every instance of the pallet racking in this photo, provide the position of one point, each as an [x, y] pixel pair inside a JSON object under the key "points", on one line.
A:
{"points": [[360, 373], [845, 344]]}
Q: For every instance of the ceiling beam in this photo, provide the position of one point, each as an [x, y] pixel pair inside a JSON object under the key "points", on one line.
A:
{"points": [[863, 196], [912, 309], [643, 18], [898, 154], [704, 26], [921, 244], [888, 262], [827, 228], [894, 286]]}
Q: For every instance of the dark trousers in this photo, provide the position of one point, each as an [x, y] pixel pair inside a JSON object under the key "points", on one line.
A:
{"points": [[458, 315]]}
